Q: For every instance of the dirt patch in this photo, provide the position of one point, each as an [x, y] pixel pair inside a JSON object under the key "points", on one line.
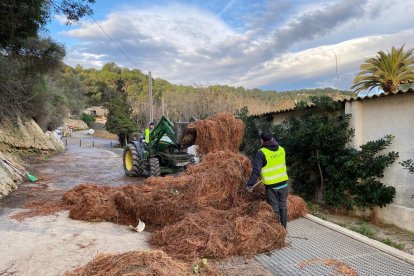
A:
{"points": [[31, 194], [238, 266], [39, 208], [105, 134]]}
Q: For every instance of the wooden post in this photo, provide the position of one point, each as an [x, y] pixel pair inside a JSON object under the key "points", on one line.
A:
{"points": [[337, 78], [162, 101]]}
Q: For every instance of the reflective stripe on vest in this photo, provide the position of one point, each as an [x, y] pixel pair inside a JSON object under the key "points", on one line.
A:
{"points": [[147, 135], [275, 169]]}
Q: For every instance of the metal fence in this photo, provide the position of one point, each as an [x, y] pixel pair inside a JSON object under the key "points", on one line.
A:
{"points": [[90, 142]]}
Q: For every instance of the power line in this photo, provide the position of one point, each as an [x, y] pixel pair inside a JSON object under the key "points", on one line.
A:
{"points": [[113, 41], [110, 38]]}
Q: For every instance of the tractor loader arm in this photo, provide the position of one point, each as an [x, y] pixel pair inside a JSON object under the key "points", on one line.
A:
{"points": [[178, 132]]}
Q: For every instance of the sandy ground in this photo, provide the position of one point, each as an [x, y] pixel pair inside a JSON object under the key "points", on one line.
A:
{"points": [[51, 245], [243, 266]]}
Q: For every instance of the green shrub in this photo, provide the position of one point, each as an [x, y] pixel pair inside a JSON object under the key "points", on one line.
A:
{"points": [[408, 165], [88, 119], [321, 165]]}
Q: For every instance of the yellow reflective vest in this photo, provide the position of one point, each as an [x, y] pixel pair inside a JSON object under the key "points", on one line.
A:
{"points": [[275, 170], [147, 135]]}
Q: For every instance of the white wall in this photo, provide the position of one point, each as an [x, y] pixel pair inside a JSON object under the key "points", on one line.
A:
{"points": [[372, 119]]}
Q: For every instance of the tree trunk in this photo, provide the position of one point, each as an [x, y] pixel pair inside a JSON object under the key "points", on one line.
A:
{"points": [[322, 183], [373, 216], [389, 86]]}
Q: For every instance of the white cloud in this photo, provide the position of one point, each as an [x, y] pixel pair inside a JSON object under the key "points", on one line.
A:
{"points": [[320, 61], [92, 56], [63, 20], [184, 44], [60, 18], [181, 26]]}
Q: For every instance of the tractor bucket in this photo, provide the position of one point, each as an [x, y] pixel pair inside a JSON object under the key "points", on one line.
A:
{"points": [[184, 135]]}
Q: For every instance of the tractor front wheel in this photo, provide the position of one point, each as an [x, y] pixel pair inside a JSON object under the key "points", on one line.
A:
{"points": [[133, 165]]}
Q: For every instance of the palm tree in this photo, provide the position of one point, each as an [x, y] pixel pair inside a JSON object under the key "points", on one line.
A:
{"points": [[386, 70]]}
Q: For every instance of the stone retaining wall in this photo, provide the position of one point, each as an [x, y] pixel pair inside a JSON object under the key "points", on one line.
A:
{"points": [[18, 136]]}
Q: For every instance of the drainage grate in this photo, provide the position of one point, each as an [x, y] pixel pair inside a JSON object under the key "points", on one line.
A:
{"points": [[309, 240]]}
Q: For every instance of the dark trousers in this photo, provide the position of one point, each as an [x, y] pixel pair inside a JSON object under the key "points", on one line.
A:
{"points": [[277, 199]]}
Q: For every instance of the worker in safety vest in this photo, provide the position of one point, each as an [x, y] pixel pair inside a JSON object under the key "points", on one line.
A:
{"points": [[148, 131], [269, 164]]}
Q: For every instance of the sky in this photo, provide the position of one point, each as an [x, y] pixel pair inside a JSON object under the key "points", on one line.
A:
{"points": [[272, 45]]}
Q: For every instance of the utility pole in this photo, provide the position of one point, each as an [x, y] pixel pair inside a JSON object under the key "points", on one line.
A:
{"points": [[163, 106], [151, 112], [337, 78]]}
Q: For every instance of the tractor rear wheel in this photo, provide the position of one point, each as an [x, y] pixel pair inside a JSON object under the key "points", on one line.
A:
{"points": [[133, 165], [154, 166]]}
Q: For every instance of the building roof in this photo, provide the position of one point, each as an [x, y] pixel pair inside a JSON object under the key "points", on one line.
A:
{"points": [[405, 87]]}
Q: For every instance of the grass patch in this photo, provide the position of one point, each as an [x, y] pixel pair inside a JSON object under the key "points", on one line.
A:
{"points": [[362, 221], [315, 210], [363, 229], [392, 243], [345, 225]]}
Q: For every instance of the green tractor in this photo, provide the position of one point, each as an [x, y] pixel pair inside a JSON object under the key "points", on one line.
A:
{"points": [[165, 153]]}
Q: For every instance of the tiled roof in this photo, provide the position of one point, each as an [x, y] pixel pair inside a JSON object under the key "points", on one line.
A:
{"points": [[405, 87]]}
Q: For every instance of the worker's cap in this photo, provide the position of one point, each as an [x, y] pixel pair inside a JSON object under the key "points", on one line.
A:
{"points": [[266, 136]]}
